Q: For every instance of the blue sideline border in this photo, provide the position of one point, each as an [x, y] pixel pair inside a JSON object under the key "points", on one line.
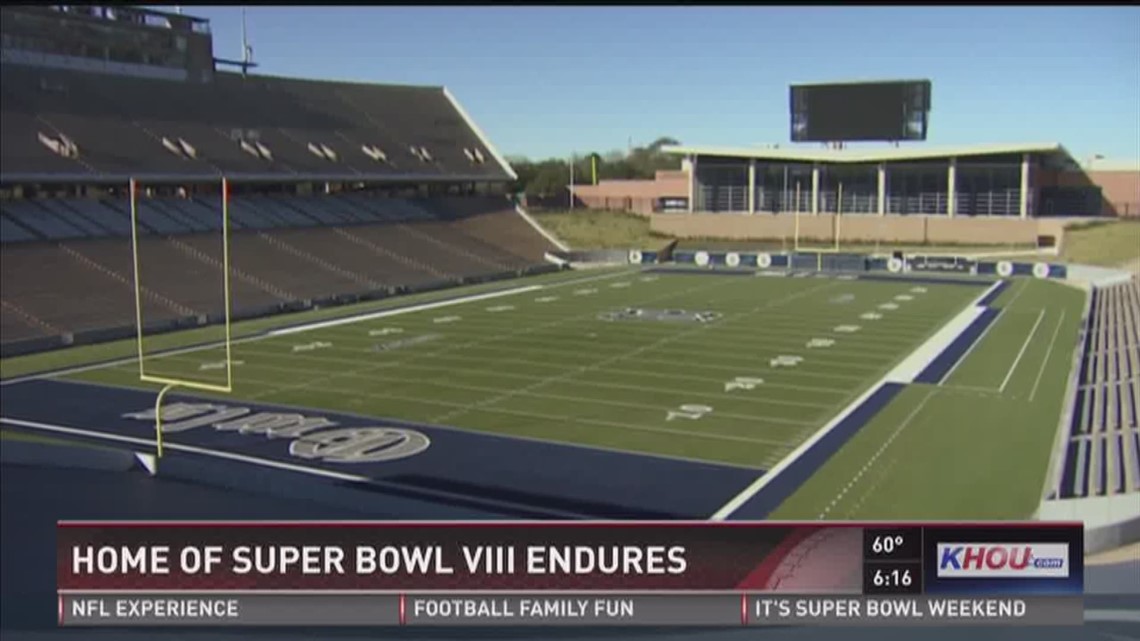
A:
{"points": [[791, 478]]}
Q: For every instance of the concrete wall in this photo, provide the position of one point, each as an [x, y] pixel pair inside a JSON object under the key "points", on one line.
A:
{"points": [[859, 228]]}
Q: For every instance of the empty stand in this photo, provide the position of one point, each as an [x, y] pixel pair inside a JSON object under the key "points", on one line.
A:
{"points": [[1103, 453], [119, 124]]}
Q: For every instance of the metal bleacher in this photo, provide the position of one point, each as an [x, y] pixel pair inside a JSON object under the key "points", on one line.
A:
{"points": [[1102, 455]]}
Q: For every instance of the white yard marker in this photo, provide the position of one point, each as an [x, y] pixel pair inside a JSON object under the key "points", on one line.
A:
{"points": [[871, 316], [918, 290], [889, 306], [622, 285], [500, 308], [308, 347], [585, 292], [1021, 353], [746, 383], [217, 365], [385, 331], [904, 297], [820, 342], [786, 361], [847, 329], [546, 299], [446, 319]]}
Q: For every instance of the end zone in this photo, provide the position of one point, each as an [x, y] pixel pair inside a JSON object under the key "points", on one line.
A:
{"points": [[416, 470]]}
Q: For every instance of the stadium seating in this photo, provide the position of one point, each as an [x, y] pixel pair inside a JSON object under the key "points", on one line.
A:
{"points": [[1102, 456], [129, 126], [67, 263]]}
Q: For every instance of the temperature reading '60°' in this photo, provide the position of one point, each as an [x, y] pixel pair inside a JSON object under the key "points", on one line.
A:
{"points": [[886, 544]]}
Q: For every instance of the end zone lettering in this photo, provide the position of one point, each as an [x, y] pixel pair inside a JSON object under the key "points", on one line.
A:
{"points": [[312, 438], [1003, 560]]}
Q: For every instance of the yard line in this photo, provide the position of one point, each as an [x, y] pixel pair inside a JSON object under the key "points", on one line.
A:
{"points": [[1021, 353], [440, 382], [977, 341], [537, 415], [602, 363], [1048, 353], [871, 462], [487, 339]]}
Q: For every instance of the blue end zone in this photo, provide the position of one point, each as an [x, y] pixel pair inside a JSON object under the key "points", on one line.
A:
{"points": [[787, 481], [944, 362], [462, 474]]}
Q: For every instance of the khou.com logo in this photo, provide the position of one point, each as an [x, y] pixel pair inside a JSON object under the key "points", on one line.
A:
{"points": [[1003, 560]]}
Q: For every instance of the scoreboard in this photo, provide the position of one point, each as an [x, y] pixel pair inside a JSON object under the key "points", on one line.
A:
{"points": [[860, 111], [568, 573]]}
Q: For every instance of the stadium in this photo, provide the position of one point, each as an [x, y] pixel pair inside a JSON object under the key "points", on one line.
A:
{"points": [[291, 290]]}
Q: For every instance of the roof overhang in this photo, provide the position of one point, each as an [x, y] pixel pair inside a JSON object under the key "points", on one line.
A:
{"points": [[1054, 153]]}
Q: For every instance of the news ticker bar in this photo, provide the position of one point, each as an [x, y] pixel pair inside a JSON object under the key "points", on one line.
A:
{"points": [[413, 557], [563, 609]]}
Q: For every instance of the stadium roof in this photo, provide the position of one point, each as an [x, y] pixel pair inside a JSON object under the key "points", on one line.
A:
{"points": [[1053, 151]]}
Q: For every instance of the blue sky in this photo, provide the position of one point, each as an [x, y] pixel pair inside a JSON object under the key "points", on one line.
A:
{"points": [[545, 81]]}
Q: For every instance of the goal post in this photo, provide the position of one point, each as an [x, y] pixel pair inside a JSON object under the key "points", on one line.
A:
{"points": [[831, 243], [170, 296]]}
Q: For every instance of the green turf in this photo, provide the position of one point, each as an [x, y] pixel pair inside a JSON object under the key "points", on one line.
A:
{"points": [[73, 356], [551, 369], [969, 448]]}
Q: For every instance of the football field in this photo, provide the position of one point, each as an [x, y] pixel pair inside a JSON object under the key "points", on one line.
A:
{"points": [[734, 369]]}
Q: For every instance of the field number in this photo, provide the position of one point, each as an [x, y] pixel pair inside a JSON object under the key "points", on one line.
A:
{"points": [[312, 346], [847, 329], [871, 316], [743, 382], [500, 308], [691, 412], [918, 290], [447, 319], [820, 342], [385, 331], [889, 306], [904, 297], [546, 299], [786, 361], [585, 292]]}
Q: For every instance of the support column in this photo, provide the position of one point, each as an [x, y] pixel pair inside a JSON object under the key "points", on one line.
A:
{"points": [[815, 189], [882, 189], [1023, 200], [952, 188], [752, 186], [692, 183]]}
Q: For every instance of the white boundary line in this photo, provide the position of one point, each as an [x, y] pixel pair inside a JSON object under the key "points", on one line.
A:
{"points": [[1024, 346], [240, 458], [1048, 353], [898, 374], [403, 310]]}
